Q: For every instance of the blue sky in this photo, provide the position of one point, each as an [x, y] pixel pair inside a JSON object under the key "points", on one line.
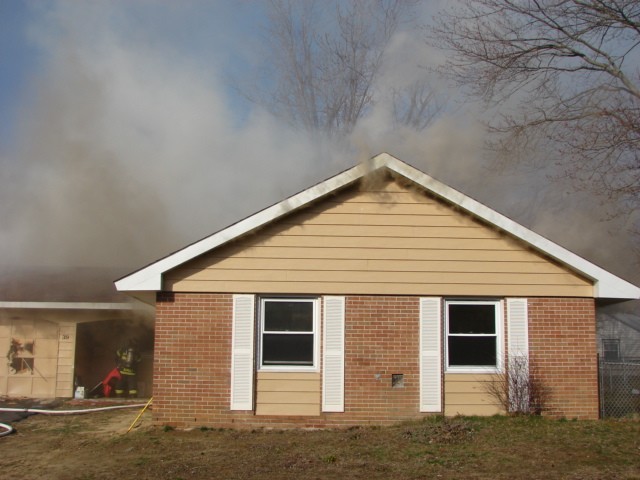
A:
{"points": [[18, 61]]}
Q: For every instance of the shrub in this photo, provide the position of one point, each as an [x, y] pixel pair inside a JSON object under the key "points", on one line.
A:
{"points": [[520, 390]]}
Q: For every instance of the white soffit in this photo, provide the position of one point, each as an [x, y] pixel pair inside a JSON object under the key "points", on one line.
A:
{"points": [[66, 306], [606, 284]]}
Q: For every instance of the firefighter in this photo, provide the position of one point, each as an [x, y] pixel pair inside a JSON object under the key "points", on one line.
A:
{"points": [[127, 359]]}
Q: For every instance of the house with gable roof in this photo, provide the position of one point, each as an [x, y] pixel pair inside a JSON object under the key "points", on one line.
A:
{"points": [[376, 296]]}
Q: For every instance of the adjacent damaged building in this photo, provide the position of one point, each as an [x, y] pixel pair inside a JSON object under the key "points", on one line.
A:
{"points": [[376, 296], [60, 328]]}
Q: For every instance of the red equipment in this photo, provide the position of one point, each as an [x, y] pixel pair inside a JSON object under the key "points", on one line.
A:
{"points": [[107, 384]]}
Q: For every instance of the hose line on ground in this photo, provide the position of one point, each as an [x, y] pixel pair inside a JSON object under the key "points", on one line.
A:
{"points": [[6, 429]]}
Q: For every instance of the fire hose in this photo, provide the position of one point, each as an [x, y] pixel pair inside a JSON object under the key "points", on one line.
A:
{"points": [[6, 429]]}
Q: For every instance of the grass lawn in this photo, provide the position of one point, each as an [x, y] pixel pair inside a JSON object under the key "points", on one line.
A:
{"points": [[96, 446]]}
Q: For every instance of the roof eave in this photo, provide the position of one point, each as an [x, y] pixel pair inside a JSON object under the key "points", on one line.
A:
{"points": [[606, 285], [150, 277], [66, 305]]}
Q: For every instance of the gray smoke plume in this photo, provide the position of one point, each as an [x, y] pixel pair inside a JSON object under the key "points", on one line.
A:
{"points": [[132, 145]]}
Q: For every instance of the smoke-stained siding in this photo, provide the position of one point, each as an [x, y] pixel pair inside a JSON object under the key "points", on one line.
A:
{"points": [[389, 239]]}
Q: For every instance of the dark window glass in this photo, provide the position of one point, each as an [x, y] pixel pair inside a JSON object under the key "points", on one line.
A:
{"points": [[287, 349], [611, 350], [472, 337], [288, 332], [288, 316], [470, 351], [472, 319]]}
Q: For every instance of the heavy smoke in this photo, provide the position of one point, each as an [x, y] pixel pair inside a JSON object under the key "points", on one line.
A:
{"points": [[128, 150], [132, 143]]}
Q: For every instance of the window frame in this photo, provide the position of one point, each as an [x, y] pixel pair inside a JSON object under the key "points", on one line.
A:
{"points": [[499, 336], [606, 344], [315, 302]]}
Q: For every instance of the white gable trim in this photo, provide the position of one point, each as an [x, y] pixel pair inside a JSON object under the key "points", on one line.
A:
{"points": [[606, 284], [150, 277]]}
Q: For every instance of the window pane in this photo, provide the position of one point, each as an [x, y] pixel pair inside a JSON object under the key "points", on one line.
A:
{"points": [[283, 349], [472, 318], [611, 350], [288, 316], [472, 351]]}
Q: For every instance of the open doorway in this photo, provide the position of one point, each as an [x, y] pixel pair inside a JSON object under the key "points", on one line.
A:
{"points": [[96, 346]]}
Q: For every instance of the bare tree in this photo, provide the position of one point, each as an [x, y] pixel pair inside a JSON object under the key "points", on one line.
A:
{"points": [[519, 390], [325, 59], [560, 72], [416, 105]]}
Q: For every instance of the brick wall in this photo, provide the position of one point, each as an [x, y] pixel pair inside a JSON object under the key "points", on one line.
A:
{"points": [[192, 361], [562, 346], [381, 339]]}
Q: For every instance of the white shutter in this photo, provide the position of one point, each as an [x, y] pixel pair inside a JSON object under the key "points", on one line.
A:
{"points": [[242, 352], [518, 334], [333, 355], [430, 355], [518, 359]]}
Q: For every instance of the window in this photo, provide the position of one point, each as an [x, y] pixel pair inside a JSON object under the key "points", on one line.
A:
{"points": [[474, 340], [288, 333], [611, 349], [21, 356]]}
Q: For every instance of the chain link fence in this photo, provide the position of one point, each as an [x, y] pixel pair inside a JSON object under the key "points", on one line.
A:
{"points": [[619, 388]]}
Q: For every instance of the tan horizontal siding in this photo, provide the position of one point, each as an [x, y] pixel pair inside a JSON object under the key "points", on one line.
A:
{"points": [[414, 243], [389, 254], [379, 288], [286, 393], [466, 394], [289, 410], [472, 410], [389, 231], [418, 219], [365, 206], [390, 241], [280, 385], [370, 265], [364, 276]]}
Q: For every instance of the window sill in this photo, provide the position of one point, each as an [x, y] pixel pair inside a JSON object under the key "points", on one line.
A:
{"points": [[487, 370], [289, 369]]}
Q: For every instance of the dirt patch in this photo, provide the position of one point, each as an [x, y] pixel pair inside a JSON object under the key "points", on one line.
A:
{"points": [[88, 417], [95, 446]]}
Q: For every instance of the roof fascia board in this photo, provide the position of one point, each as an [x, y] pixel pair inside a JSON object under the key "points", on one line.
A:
{"points": [[150, 277], [606, 284], [66, 306]]}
